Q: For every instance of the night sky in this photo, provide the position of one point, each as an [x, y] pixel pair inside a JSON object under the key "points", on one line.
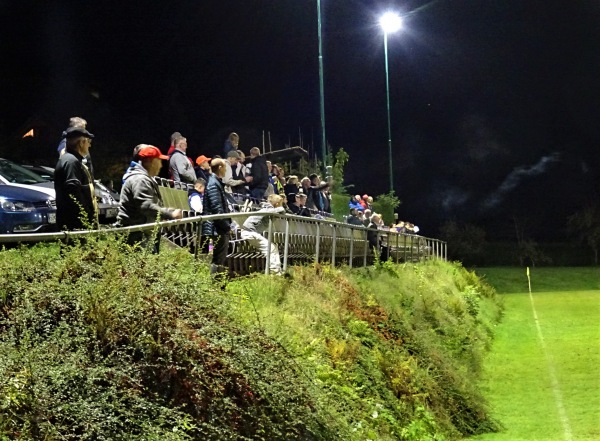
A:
{"points": [[494, 104]]}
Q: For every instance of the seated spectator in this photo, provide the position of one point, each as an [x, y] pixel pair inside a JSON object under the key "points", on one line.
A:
{"points": [[367, 218], [196, 196], [363, 201], [253, 228], [400, 227], [299, 207], [369, 203], [352, 218], [355, 203]]}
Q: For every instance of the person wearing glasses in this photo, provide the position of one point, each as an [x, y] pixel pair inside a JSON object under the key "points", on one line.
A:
{"points": [[76, 206]]}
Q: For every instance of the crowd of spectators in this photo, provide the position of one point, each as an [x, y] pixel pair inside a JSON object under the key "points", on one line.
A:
{"points": [[251, 177], [217, 185]]}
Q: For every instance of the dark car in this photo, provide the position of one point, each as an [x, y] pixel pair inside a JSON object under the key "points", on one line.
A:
{"points": [[26, 210], [108, 200]]}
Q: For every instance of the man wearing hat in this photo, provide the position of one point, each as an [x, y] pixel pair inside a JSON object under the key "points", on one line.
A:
{"points": [[229, 181], [299, 206], [140, 201], [76, 206], [202, 167]]}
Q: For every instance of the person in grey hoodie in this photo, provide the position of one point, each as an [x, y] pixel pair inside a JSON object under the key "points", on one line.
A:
{"points": [[140, 201], [254, 226]]}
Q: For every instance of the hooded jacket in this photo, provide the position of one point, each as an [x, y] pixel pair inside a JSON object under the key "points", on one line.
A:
{"points": [[140, 201]]}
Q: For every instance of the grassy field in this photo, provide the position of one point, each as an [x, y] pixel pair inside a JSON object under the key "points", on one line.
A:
{"points": [[542, 378]]}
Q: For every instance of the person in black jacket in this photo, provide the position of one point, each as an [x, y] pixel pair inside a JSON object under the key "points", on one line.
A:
{"points": [[215, 202], [76, 206], [259, 174]]}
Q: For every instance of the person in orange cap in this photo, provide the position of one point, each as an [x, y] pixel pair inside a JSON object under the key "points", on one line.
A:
{"points": [[140, 201], [202, 167]]}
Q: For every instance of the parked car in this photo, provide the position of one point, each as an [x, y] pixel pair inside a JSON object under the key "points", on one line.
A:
{"points": [[16, 175], [108, 201], [26, 210]]}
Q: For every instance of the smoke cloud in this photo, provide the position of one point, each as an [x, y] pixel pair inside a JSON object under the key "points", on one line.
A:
{"points": [[515, 178]]}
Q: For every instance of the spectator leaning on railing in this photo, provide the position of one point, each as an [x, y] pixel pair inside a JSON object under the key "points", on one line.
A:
{"points": [[254, 226], [140, 201]]}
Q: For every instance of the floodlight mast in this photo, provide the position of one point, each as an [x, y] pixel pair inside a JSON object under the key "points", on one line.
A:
{"points": [[390, 22]]}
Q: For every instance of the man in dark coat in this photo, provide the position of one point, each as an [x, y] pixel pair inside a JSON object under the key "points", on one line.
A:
{"points": [[259, 174], [215, 202], [76, 206]]}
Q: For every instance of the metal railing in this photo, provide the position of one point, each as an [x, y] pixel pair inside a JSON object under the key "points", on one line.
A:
{"points": [[299, 240]]}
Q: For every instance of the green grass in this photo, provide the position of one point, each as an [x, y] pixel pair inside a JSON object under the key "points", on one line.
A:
{"points": [[512, 279], [517, 379]]}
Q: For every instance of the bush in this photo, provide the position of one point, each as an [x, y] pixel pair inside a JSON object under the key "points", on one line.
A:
{"points": [[101, 342], [106, 344]]}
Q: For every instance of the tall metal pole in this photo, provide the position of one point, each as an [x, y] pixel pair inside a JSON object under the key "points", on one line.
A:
{"points": [[387, 90], [322, 89]]}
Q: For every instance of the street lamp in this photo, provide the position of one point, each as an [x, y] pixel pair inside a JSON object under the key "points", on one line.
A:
{"points": [[390, 22]]}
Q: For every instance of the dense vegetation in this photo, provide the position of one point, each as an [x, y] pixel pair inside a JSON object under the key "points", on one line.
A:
{"points": [[99, 342]]}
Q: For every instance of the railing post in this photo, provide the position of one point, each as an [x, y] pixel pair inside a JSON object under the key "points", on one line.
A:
{"points": [[366, 247], [333, 247], [351, 246], [270, 240], [286, 244], [198, 238], [412, 246], [396, 252], [318, 242]]}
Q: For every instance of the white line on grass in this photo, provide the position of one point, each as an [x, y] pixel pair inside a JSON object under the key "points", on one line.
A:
{"points": [[562, 413]]}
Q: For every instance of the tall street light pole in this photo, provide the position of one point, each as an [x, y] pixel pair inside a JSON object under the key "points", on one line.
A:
{"points": [[390, 23], [322, 89]]}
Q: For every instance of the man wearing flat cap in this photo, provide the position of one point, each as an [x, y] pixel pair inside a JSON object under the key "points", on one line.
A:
{"points": [[229, 180], [76, 206], [140, 201]]}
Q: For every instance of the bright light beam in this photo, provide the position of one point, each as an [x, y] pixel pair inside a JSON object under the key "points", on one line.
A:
{"points": [[390, 22]]}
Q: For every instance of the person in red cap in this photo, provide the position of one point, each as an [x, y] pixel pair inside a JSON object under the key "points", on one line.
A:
{"points": [[202, 167], [140, 201]]}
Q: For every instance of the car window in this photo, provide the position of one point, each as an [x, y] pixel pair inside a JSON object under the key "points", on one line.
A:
{"points": [[16, 174]]}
